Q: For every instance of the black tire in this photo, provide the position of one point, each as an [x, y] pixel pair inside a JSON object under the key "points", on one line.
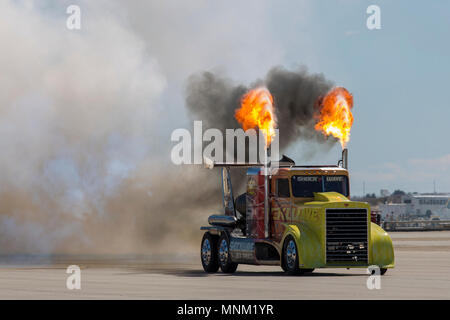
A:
{"points": [[290, 256], [224, 256], [208, 253], [282, 264]]}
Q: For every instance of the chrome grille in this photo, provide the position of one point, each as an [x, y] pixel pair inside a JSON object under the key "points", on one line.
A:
{"points": [[346, 236]]}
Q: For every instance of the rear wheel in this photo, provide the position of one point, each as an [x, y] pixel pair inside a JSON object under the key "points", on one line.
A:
{"points": [[208, 253], [225, 262]]}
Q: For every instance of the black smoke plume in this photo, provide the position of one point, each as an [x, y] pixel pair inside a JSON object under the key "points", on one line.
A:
{"points": [[214, 98]]}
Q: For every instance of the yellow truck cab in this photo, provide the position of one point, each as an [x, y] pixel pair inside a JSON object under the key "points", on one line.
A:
{"points": [[298, 217]]}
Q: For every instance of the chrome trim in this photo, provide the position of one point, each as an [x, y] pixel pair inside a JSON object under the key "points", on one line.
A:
{"points": [[223, 252], [222, 220], [365, 257], [206, 252], [345, 158], [291, 254]]}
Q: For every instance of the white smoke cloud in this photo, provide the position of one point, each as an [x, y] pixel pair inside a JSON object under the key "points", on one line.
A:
{"points": [[86, 116], [74, 118]]}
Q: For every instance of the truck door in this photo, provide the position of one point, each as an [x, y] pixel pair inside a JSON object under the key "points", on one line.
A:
{"points": [[280, 207]]}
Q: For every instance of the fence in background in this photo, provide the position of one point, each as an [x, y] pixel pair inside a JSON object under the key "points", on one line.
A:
{"points": [[416, 225]]}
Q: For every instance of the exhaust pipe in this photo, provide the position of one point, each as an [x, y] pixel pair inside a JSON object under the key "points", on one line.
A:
{"points": [[266, 205], [223, 221], [345, 159], [266, 196]]}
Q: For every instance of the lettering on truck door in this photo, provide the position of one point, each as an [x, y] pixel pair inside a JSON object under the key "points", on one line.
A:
{"points": [[281, 207]]}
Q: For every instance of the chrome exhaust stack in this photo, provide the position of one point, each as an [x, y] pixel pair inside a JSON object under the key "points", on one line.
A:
{"points": [[266, 195], [222, 221], [345, 159]]}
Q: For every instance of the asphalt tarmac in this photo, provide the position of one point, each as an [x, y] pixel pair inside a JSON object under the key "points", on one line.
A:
{"points": [[422, 272]]}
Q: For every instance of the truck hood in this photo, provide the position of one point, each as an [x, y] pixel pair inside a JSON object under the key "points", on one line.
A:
{"points": [[329, 197]]}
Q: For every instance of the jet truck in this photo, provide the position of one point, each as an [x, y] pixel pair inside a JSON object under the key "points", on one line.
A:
{"points": [[298, 217]]}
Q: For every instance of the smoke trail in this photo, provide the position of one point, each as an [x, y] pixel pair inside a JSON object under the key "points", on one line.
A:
{"points": [[85, 121], [83, 169], [74, 125], [297, 95]]}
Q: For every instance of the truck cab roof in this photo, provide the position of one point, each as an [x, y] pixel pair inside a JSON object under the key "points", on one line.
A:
{"points": [[282, 170]]}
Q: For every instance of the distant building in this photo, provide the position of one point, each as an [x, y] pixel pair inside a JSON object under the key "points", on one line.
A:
{"points": [[414, 206], [393, 211], [385, 193]]}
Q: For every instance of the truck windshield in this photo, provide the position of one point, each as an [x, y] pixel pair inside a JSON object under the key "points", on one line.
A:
{"points": [[305, 186]]}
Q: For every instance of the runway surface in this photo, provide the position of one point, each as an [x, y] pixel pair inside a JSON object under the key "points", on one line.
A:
{"points": [[422, 272]]}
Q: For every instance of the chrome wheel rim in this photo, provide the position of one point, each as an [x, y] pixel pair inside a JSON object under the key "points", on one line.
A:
{"points": [[291, 254], [206, 252], [223, 252]]}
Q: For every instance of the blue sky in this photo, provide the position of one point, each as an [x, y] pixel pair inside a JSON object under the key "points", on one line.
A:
{"points": [[399, 77]]}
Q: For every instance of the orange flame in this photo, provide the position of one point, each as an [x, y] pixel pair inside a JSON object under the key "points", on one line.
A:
{"points": [[335, 116], [257, 111]]}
